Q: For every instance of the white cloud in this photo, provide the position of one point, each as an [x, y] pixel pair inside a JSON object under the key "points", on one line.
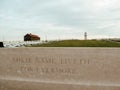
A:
{"points": [[66, 17]]}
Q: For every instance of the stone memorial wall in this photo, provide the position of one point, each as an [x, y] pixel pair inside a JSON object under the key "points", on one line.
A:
{"points": [[60, 69]]}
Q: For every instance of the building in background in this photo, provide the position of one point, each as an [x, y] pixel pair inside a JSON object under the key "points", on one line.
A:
{"points": [[85, 36], [31, 37]]}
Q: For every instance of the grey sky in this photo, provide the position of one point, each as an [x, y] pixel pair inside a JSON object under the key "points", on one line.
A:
{"points": [[65, 19]]}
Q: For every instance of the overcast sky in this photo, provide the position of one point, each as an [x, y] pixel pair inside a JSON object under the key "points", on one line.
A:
{"points": [[59, 19]]}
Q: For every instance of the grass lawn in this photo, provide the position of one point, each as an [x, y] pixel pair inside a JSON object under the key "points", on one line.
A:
{"points": [[79, 43]]}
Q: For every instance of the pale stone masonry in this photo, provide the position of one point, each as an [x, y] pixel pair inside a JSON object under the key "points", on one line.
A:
{"points": [[60, 68]]}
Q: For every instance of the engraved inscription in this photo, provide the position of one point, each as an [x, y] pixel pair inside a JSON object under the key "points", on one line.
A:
{"points": [[21, 60], [49, 65], [48, 70], [50, 60]]}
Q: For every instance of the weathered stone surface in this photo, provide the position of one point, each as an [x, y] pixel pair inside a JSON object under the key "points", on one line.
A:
{"points": [[60, 69]]}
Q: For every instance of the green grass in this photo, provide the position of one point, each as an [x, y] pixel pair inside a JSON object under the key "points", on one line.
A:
{"points": [[79, 43]]}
